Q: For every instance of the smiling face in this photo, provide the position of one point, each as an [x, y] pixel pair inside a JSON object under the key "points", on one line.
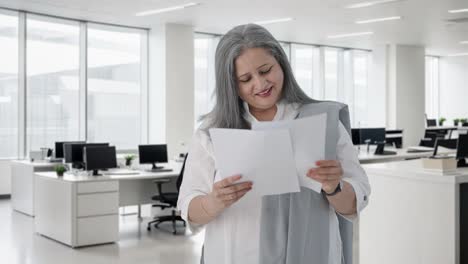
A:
{"points": [[260, 81]]}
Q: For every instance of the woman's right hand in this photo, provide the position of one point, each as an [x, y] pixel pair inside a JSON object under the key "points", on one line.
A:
{"points": [[224, 194]]}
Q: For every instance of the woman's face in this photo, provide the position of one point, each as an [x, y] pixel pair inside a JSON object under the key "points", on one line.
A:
{"points": [[260, 79]]}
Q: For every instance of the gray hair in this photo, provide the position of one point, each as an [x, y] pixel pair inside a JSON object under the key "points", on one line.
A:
{"points": [[228, 110]]}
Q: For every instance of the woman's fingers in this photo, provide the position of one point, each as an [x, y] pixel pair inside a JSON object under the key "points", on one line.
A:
{"points": [[235, 188], [227, 181]]}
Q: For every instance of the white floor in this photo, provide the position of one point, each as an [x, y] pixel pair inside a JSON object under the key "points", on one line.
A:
{"points": [[19, 244]]}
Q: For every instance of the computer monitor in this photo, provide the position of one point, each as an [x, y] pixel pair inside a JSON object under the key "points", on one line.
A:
{"points": [[431, 122], [99, 158], [152, 154], [59, 153], [73, 152], [356, 136], [372, 135], [462, 150], [446, 143]]}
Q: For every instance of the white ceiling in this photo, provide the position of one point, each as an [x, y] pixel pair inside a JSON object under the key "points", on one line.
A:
{"points": [[424, 21]]}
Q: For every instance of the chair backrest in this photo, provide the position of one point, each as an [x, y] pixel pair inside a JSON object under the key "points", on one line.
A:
{"points": [[181, 175], [431, 122]]}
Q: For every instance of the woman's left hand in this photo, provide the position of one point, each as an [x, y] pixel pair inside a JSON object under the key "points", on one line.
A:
{"points": [[328, 173]]}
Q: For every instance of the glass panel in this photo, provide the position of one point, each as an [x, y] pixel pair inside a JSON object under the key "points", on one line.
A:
{"points": [[114, 86], [360, 77], [432, 87], [52, 81], [302, 63], [331, 74], [8, 86], [205, 48]]}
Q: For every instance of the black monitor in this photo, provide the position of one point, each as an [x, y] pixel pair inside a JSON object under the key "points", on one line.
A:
{"points": [[462, 150], [59, 153], [356, 136], [73, 152], [372, 135], [152, 154], [446, 143], [99, 158]]}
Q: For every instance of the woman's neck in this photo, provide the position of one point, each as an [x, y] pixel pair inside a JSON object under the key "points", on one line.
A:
{"points": [[264, 114]]}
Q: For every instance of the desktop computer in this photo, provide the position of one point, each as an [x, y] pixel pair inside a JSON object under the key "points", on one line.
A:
{"points": [[59, 148], [371, 136], [99, 158], [462, 150], [73, 153], [153, 154]]}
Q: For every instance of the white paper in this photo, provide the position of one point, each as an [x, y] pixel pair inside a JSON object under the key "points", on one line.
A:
{"points": [[263, 157], [308, 143]]}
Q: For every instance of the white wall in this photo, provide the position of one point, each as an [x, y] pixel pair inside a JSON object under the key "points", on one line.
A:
{"points": [[453, 91], [376, 93], [5, 177], [406, 91]]}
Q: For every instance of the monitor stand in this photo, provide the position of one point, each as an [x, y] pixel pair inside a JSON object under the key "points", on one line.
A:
{"points": [[461, 163], [156, 168], [380, 150], [96, 173]]}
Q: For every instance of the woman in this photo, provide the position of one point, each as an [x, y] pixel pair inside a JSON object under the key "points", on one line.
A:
{"points": [[254, 82]]}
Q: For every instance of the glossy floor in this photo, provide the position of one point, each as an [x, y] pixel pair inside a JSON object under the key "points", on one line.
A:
{"points": [[19, 244]]}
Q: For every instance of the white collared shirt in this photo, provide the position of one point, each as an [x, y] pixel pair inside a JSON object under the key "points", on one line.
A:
{"points": [[233, 236]]}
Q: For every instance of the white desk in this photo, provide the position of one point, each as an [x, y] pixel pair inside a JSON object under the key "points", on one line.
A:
{"points": [[413, 215], [402, 154], [22, 183], [83, 210]]}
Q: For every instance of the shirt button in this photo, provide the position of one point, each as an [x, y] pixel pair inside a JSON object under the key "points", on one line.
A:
{"points": [[365, 197]]}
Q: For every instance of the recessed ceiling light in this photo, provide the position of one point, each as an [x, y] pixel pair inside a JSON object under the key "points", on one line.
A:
{"points": [[458, 11], [367, 21], [464, 42], [350, 35], [458, 54], [163, 10], [371, 3], [279, 20]]}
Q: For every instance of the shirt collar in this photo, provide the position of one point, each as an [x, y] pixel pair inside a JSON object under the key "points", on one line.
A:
{"points": [[278, 116]]}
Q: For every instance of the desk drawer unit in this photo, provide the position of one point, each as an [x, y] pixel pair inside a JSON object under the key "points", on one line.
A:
{"points": [[97, 204], [97, 230]]}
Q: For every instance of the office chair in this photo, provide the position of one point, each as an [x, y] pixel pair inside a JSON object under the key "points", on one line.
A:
{"points": [[430, 139], [431, 122], [168, 200]]}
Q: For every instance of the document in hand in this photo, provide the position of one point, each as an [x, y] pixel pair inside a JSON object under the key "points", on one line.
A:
{"points": [[308, 143], [263, 157]]}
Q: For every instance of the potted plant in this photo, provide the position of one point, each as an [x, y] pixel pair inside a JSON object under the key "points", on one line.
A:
{"points": [[456, 121], [441, 121], [60, 170], [463, 120], [128, 159]]}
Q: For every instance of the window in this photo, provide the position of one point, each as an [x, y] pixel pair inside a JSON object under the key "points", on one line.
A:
{"points": [[8, 85], [331, 74], [115, 94], [205, 48], [52, 69], [360, 60], [302, 63], [432, 87]]}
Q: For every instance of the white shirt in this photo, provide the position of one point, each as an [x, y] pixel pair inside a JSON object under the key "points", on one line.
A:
{"points": [[233, 236]]}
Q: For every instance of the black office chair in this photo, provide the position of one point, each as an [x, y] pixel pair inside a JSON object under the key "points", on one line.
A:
{"points": [[430, 139], [168, 200]]}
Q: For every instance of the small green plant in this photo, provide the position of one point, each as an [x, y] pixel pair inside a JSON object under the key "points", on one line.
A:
{"points": [[128, 159], [456, 121], [60, 170], [441, 121], [463, 120]]}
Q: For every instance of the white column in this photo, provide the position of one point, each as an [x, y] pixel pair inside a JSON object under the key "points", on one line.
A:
{"points": [[406, 91], [171, 82]]}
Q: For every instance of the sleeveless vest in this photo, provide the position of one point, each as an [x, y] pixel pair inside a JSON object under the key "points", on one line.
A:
{"points": [[294, 227]]}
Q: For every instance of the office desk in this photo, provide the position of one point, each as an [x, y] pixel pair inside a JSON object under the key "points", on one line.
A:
{"points": [[402, 154], [83, 210], [22, 183], [414, 215]]}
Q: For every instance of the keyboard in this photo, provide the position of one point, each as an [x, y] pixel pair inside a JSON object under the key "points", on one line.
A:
{"points": [[417, 149], [159, 170]]}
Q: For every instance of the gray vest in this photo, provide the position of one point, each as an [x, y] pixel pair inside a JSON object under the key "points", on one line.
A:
{"points": [[294, 227]]}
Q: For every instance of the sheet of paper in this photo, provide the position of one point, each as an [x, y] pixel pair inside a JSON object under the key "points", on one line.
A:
{"points": [[308, 142], [263, 157]]}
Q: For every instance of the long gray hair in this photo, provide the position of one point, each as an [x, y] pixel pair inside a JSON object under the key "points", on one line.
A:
{"points": [[228, 110]]}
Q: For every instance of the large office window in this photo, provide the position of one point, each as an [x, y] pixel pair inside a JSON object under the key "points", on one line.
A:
{"points": [[205, 47], [432, 87], [52, 68], [331, 67], [359, 107], [302, 63], [114, 95], [8, 85]]}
